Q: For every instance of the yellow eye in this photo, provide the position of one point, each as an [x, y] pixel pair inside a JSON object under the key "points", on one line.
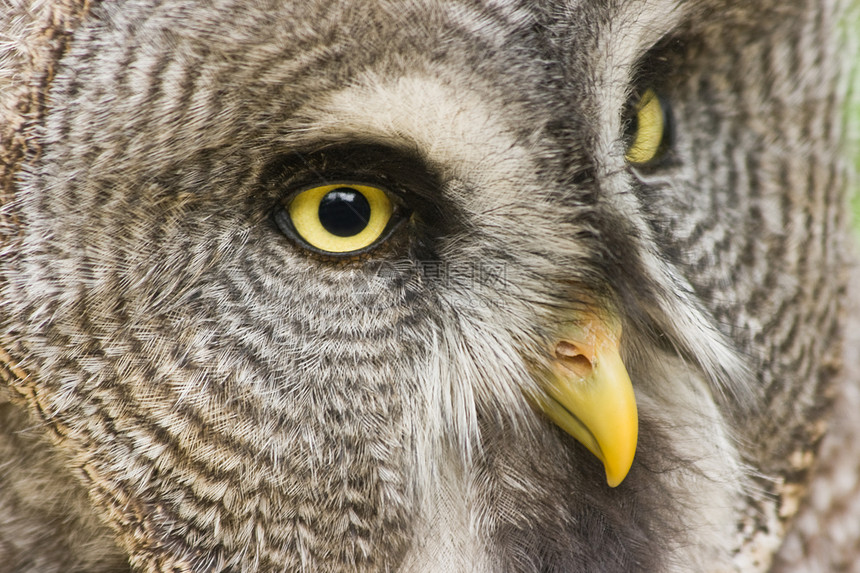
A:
{"points": [[340, 218], [646, 130]]}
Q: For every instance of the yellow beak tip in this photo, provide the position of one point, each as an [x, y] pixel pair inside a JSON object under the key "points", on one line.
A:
{"points": [[617, 462], [616, 475]]}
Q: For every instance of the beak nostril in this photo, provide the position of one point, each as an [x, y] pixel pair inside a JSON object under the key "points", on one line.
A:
{"points": [[573, 358]]}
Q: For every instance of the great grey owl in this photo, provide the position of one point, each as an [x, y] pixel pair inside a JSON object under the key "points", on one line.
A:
{"points": [[425, 286]]}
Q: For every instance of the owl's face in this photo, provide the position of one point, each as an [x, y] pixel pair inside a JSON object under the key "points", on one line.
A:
{"points": [[320, 286]]}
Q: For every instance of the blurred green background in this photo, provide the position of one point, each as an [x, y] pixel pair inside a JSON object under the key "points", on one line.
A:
{"points": [[852, 31]]}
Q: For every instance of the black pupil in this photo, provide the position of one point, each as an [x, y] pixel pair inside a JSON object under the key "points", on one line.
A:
{"points": [[631, 126], [344, 212]]}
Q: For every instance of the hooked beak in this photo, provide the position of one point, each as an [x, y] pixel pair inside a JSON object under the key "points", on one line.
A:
{"points": [[589, 395]]}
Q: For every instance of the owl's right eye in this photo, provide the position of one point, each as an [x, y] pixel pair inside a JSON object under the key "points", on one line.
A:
{"points": [[339, 218]]}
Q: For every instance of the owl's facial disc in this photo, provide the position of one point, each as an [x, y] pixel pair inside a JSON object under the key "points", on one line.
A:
{"points": [[589, 395]]}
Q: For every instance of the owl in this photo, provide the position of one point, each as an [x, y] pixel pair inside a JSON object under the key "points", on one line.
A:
{"points": [[426, 286]]}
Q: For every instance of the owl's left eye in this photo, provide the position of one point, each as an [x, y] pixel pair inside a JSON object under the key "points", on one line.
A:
{"points": [[339, 218], [646, 129]]}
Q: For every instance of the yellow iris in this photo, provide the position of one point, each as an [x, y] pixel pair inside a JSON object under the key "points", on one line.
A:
{"points": [[340, 218], [650, 125]]}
